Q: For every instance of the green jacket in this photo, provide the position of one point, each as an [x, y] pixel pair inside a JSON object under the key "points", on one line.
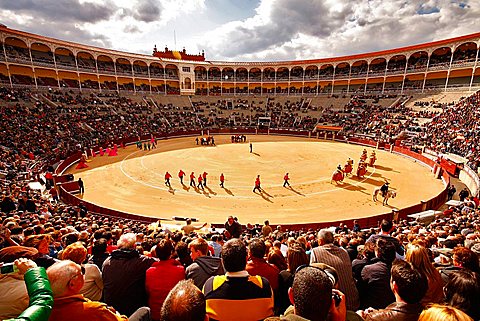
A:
{"points": [[40, 294]]}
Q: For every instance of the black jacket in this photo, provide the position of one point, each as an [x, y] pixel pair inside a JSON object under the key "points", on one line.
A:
{"points": [[123, 276]]}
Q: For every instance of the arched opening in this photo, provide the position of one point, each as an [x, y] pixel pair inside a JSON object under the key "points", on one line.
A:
{"points": [[359, 68], [228, 75], [417, 61], [255, 74], [377, 67], [65, 59], [171, 72], [22, 75], [440, 58], [123, 67], [465, 54], [396, 64], [296, 73], [188, 83], [214, 74], [311, 72], [140, 68], [17, 50], [268, 74], [200, 73], [342, 70], [156, 71], [326, 72], [282, 74], [41, 55], [86, 62], [105, 65], [241, 74]]}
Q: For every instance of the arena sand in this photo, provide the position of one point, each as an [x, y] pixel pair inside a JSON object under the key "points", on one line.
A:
{"points": [[133, 181]]}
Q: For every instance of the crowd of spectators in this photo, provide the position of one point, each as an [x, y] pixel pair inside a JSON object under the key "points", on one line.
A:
{"points": [[391, 273]]}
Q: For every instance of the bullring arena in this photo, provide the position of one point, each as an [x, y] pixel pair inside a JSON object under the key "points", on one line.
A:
{"points": [[133, 181]]}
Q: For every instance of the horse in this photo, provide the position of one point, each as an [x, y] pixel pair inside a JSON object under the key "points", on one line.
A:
{"points": [[337, 176], [348, 168], [361, 170], [390, 194]]}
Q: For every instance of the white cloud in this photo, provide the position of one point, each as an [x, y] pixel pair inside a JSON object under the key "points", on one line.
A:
{"points": [[306, 29], [275, 30]]}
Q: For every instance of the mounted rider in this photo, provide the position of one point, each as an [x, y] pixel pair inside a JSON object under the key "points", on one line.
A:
{"points": [[384, 189]]}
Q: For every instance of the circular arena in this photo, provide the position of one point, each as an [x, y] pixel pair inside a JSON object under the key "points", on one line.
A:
{"points": [[133, 181]]}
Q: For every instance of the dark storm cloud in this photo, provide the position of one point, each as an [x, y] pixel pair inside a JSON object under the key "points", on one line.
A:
{"points": [[61, 10], [147, 10]]}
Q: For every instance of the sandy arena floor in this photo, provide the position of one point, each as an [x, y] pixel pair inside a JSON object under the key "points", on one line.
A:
{"points": [[134, 181]]}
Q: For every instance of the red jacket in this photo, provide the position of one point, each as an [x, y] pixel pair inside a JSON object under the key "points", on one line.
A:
{"points": [[181, 173], [260, 267], [167, 175], [161, 277]]}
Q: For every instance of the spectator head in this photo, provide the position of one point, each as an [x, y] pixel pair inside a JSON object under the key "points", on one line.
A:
{"points": [[385, 250], [408, 282], [99, 246], [189, 221], [386, 226], [465, 258], [420, 259], [184, 302], [267, 222], [257, 248], [40, 242], [438, 312], [325, 237], [164, 249], [75, 252], [296, 257], [234, 255], [230, 220], [463, 292], [66, 278], [198, 247], [311, 293], [127, 241]]}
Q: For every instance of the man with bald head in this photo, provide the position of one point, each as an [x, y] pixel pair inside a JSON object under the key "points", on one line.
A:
{"points": [[66, 279], [184, 302]]}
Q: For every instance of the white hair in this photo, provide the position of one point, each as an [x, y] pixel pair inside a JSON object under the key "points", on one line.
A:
{"points": [[127, 241], [59, 274]]}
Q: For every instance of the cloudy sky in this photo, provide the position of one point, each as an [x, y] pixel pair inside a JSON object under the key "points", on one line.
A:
{"points": [[246, 30]]}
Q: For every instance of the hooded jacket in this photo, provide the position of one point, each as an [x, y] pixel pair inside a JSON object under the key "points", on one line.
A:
{"points": [[203, 268]]}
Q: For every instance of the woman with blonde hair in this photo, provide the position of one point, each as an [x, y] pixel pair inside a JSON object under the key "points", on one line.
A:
{"points": [[418, 256], [443, 313], [93, 286]]}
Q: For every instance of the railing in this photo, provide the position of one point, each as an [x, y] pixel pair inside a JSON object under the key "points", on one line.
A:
{"points": [[372, 221]]}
